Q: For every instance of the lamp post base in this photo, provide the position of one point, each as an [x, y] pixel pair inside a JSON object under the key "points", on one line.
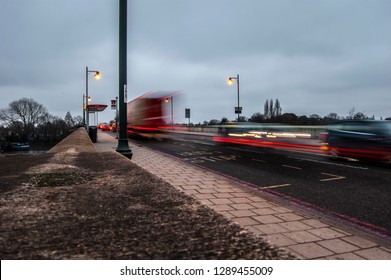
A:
{"points": [[123, 148]]}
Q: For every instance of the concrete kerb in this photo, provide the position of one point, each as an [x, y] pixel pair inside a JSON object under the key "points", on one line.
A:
{"points": [[67, 145], [295, 230]]}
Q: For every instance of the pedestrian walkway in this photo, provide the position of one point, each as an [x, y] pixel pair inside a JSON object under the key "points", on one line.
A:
{"points": [[303, 235]]}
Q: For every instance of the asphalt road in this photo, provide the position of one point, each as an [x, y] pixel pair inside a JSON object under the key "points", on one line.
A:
{"points": [[357, 194]]}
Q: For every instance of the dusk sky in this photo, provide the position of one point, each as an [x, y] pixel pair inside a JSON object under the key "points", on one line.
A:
{"points": [[315, 56]]}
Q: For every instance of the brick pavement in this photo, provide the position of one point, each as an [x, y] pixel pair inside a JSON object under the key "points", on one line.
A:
{"points": [[295, 231]]}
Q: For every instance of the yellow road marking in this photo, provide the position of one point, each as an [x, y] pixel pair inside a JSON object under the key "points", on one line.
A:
{"points": [[293, 167], [334, 177], [275, 186], [254, 159]]}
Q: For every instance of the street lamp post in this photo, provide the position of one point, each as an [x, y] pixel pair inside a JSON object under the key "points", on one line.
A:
{"points": [[172, 110], [84, 108], [123, 144], [230, 81], [86, 118], [171, 107]]}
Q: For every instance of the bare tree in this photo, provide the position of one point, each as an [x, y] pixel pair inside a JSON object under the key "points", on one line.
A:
{"points": [[26, 112], [266, 109], [352, 115], [224, 120], [271, 109], [257, 117], [277, 108], [78, 120], [332, 116], [69, 120]]}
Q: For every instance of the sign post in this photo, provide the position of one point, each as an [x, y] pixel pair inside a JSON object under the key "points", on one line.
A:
{"points": [[187, 114]]}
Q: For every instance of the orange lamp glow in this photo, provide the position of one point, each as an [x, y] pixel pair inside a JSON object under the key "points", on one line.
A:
{"points": [[97, 75]]}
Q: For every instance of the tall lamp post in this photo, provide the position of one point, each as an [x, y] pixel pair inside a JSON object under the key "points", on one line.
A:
{"points": [[84, 108], [123, 144], [172, 108], [230, 81], [86, 119]]}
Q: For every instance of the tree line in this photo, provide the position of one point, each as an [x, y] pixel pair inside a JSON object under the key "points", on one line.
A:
{"points": [[272, 113], [27, 121]]}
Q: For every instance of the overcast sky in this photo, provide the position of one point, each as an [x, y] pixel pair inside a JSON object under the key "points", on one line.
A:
{"points": [[315, 56]]}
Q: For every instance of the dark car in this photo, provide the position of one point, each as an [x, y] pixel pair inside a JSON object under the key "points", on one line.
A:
{"points": [[368, 140]]}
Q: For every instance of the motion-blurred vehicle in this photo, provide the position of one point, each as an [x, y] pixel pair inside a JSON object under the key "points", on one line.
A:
{"points": [[113, 125], [365, 140], [275, 136], [105, 127], [148, 115], [145, 117]]}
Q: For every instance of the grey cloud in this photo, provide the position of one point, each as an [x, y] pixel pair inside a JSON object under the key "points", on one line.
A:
{"points": [[315, 56]]}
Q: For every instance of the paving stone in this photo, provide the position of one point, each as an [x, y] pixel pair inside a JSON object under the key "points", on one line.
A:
{"points": [[264, 211], [239, 193], [245, 221], [315, 223], [302, 236], [256, 231], [206, 191], [256, 199], [203, 185], [191, 192], [326, 233], [204, 196], [311, 250], [268, 219], [346, 256], [177, 183], [359, 241], [242, 213], [338, 246], [294, 253], [289, 217], [228, 187], [207, 202], [271, 228], [193, 179], [374, 254], [222, 207], [223, 195], [241, 200], [221, 201], [263, 204], [280, 240], [190, 187], [227, 214], [281, 209], [242, 206], [295, 226]]}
